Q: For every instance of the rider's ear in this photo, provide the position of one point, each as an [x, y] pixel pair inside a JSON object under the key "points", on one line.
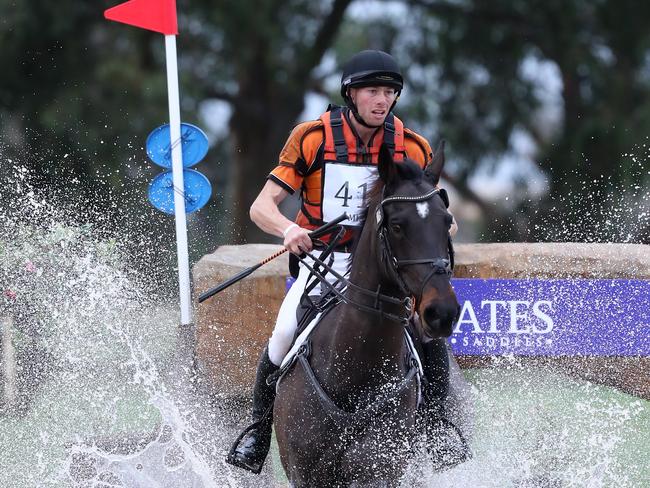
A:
{"points": [[386, 165], [434, 168]]}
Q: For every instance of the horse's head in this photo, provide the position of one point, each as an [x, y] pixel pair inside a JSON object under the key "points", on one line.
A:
{"points": [[412, 224]]}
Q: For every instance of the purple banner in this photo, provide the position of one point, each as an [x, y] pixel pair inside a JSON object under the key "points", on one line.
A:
{"points": [[552, 317]]}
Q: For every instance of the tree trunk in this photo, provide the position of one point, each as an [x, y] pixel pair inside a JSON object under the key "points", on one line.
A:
{"points": [[270, 98], [259, 126], [10, 389]]}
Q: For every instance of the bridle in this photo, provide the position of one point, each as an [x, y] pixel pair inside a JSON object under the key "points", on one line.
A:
{"points": [[357, 420], [392, 264]]}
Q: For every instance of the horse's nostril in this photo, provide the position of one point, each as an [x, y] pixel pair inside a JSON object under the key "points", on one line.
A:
{"points": [[439, 318], [430, 314], [441, 311]]}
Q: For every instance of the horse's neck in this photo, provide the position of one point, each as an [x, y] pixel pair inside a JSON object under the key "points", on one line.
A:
{"points": [[375, 338], [363, 351], [366, 273]]}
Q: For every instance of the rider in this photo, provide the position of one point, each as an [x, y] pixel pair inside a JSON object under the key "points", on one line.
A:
{"points": [[328, 160]]}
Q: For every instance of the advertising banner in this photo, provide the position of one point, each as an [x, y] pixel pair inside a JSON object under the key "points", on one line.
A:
{"points": [[552, 317]]}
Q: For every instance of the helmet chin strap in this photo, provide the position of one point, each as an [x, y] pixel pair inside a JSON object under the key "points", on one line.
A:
{"points": [[359, 119], [353, 108]]}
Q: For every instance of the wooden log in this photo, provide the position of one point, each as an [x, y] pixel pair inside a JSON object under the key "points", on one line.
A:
{"points": [[233, 326], [553, 260]]}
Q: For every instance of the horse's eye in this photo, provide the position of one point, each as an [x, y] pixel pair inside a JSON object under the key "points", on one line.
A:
{"points": [[396, 228]]}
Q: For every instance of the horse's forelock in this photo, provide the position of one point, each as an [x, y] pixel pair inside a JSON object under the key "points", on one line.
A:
{"points": [[408, 170]]}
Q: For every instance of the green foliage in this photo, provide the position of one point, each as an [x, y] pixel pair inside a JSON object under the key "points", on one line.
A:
{"points": [[53, 283], [37, 266], [600, 51], [75, 84]]}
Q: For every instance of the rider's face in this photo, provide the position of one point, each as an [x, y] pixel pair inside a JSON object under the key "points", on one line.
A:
{"points": [[373, 102]]}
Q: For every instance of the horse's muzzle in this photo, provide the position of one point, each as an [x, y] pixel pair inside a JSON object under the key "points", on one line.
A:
{"points": [[438, 318]]}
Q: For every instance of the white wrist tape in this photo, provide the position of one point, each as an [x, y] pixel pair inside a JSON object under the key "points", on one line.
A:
{"points": [[286, 231]]}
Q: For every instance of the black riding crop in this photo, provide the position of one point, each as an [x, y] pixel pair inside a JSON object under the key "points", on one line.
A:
{"points": [[316, 233]]}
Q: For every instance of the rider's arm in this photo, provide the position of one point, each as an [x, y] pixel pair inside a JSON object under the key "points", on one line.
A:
{"points": [[267, 216], [301, 146]]}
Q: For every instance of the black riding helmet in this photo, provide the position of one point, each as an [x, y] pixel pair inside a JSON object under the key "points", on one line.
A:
{"points": [[370, 68]]}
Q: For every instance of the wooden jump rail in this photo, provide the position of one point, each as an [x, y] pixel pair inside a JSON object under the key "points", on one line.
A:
{"points": [[536, 302]]}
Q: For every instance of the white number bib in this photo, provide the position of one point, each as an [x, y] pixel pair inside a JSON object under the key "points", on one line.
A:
{"points": [[345, 191]]}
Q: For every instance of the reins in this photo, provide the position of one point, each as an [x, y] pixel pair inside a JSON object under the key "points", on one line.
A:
{"points": [[354, 421], [377, 297], [438, 266]]}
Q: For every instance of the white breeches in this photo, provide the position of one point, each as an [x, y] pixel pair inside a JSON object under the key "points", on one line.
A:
{"points": [[287, 322]]}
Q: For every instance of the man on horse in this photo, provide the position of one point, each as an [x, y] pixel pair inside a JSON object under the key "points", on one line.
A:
{"points": [[328, 160]]}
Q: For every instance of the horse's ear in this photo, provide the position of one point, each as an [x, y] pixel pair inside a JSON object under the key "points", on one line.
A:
{"points": [[434, 168], [386, 165]]}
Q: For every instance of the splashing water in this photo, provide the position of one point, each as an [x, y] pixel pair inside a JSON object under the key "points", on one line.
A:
{"points": [[101, 395], [105, 393], [581, 206], [536, 429]]}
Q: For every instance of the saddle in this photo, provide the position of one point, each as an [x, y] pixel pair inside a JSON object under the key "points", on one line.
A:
{"points": [[310, 314]]}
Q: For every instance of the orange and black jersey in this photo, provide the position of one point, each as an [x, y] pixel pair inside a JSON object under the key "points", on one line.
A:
{"points": [[310, 146]]}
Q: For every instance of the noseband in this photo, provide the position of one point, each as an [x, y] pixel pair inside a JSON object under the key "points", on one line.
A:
{"points": [[438, 265]]}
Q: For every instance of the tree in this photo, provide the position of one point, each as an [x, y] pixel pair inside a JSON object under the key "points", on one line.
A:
{"points": [[73, 85], [600, 50], [268, 59], [258, 56], [80, 94]]}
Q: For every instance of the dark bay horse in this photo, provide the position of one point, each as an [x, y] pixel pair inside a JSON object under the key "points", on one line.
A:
{"points": [[345, 412]]}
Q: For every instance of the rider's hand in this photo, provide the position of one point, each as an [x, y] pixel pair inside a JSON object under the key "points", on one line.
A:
{"points": [[454, 227], [297, 240]]}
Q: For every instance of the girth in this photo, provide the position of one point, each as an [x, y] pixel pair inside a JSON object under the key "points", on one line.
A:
{"points": [[358, 420]]}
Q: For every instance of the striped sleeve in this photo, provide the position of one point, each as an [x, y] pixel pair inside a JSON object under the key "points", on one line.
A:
{"points": [[417, 148], [297, 155]]}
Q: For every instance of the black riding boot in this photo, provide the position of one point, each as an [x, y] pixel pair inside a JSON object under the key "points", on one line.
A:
{"points": [[445, 443], [436, 373], [251, 447]]}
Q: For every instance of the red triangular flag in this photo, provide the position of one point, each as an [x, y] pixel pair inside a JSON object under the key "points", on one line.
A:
{"points": [[155, 15]]}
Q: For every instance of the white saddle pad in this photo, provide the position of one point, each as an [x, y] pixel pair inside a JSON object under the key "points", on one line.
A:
{"points": [[312, 325]]}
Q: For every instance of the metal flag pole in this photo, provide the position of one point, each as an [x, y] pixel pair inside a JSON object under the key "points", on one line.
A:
{"points": [[160, 16], [177, 169]]}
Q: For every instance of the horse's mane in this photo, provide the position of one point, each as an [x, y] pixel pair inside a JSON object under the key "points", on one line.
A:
{"points": [[408, 170]]}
